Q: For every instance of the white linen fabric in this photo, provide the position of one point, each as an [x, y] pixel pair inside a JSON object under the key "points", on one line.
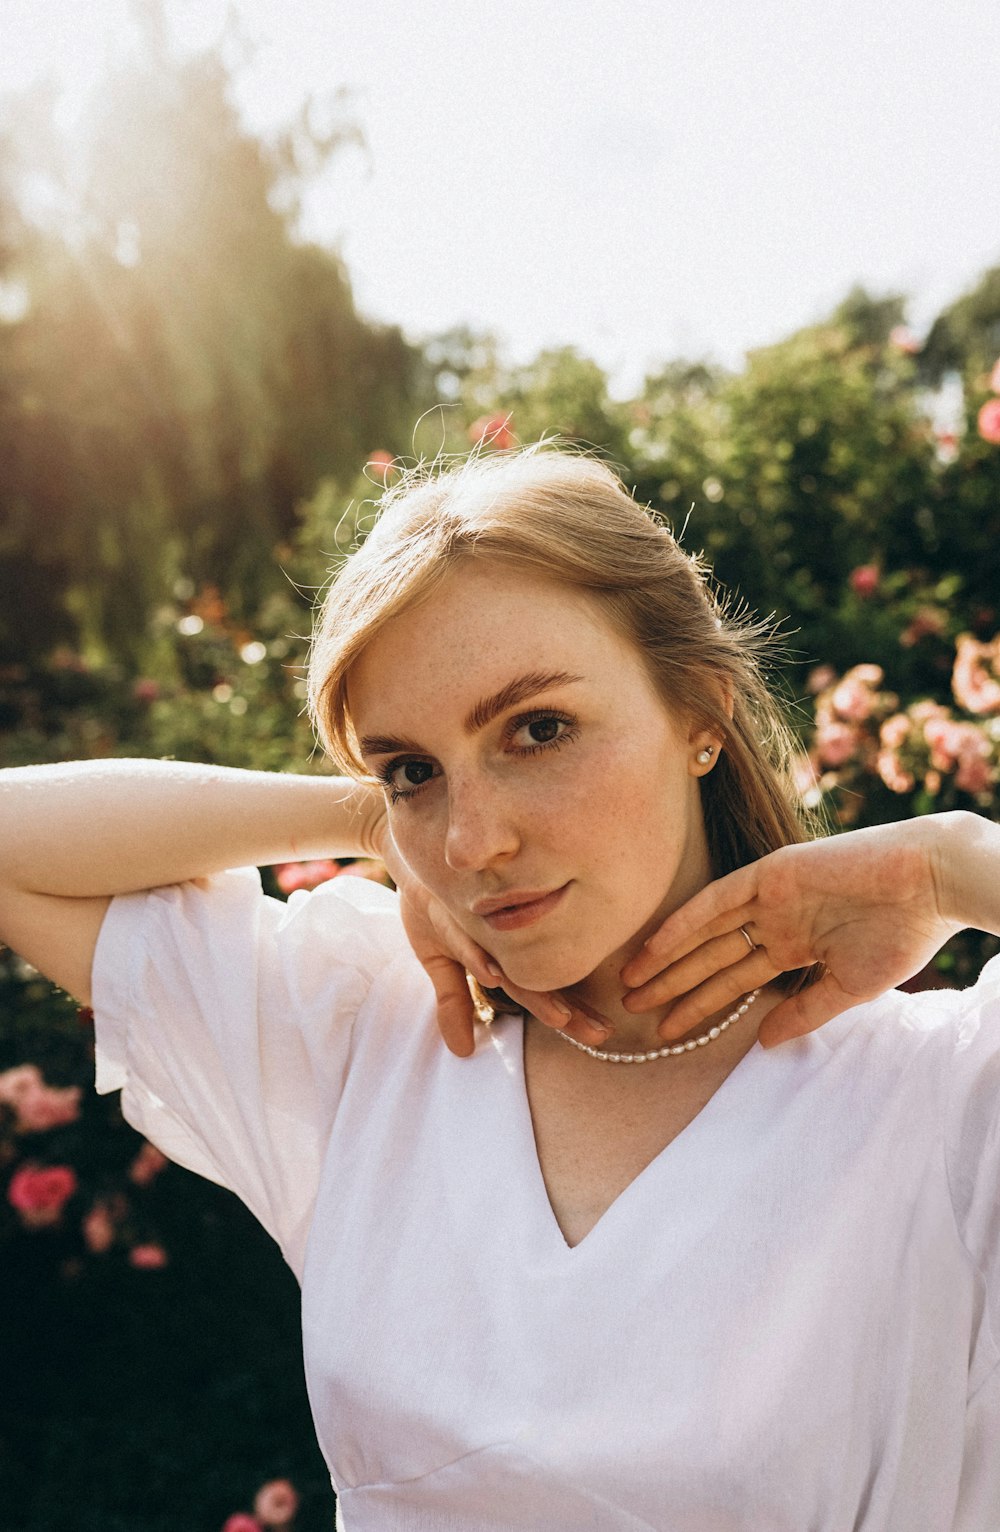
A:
{"points": [[788, 1322]]}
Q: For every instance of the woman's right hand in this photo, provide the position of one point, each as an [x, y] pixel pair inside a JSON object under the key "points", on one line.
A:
{"points": [[448, 954]]}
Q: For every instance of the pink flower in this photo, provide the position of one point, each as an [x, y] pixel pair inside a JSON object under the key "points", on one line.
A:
{"points": [[98, 1229], [293, 875], [145, 689], [853, 699], [903, 338], [988, 422], [493, 431], [975, 688], [946, 446], [241, 1522], [895, 731], [974, 774], [820, 677], [995, 376], [864, 580], [39, 1193], [835, 742], [147, 1165], [147, 1257], [276, 1503], [38, 1106], [381, 464], [892, 773]]}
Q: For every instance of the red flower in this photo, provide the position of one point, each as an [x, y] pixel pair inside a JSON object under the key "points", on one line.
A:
{"points": [[241, 1522], [39, 1193], [147, 1257], [147, 1165], [864, 580], [988, 421], [493, 431], [99, 1229], [292, 875]]}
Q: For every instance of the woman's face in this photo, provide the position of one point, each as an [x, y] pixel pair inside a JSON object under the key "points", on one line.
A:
{"points": [[537, 784]]}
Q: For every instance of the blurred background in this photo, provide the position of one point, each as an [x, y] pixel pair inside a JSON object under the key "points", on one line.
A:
{"points": [[253, 257]]}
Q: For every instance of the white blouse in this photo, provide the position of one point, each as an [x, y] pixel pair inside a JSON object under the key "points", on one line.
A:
{"points": [[789, 1322]]}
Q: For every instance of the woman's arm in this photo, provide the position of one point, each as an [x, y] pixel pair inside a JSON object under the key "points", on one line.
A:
{"points": [[74, 835]]}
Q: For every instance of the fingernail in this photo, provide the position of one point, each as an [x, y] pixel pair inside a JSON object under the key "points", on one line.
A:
{"points": [[497, 973], [564, 1010]]}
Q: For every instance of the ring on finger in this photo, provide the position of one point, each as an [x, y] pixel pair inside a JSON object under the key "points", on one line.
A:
{"points": [[748, 939]]}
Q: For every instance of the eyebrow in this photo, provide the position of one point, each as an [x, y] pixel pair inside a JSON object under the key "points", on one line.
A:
{"points": [[516, 691]]}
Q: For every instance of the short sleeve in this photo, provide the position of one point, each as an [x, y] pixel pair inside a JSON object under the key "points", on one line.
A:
{"points": [[972, 1147], [226, 1019]]}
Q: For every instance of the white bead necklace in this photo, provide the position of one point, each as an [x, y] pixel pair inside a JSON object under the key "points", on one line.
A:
{"points": [[674, 1049]]}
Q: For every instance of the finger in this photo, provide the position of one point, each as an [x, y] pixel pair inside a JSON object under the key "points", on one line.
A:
{"points": [[455, 1011], [715, 994], [805, 1012], [562, 1013], [684, 975], [459, 946], [722, 906]]}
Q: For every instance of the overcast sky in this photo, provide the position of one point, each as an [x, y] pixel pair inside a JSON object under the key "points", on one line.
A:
{"points": [[641, 181]]}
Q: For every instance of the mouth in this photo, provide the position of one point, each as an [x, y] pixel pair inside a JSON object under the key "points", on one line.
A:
{"points": [[518, 909]]}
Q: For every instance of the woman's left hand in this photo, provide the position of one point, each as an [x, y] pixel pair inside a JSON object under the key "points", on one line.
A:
{"points": [[866, 904]]}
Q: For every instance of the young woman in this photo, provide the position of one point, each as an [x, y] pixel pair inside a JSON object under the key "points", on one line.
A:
{"points": [[612, 1260]]}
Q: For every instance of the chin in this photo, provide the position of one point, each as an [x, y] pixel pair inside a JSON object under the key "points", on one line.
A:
{"points": [[542, 971]]}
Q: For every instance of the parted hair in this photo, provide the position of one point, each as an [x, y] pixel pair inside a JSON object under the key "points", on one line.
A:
{"points": [[565, 515]]}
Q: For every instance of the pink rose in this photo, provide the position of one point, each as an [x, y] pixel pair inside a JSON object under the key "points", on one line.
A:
{"points": [[853, 700], [988, 422], [39, 1193], [895, 731], [381, 465], [974, 774], [835, 743], [975, 688], [493, 431], [276, 1503], [864, 580], [147, 1165], [294, 875], [147, 1257], [98, 1229], [241, 1522], [895, 778], [38, 1106], [819, 678]]}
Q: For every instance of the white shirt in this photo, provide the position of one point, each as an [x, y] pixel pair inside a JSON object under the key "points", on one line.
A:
{"points": [[789, 1322]]}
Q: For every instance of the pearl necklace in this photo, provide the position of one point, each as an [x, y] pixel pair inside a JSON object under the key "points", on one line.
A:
{"points": [[674, 1049]]}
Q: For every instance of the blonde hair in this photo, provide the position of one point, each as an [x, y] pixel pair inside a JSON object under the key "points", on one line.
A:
{"points": [[569, 517]]}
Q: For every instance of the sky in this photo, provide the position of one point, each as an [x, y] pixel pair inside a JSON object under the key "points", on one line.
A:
{"points": [[642, 181]]}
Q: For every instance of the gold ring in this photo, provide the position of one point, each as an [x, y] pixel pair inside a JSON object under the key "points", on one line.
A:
{"points": [[749, 939]]}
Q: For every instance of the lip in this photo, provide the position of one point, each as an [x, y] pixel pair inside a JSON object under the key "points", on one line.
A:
{"points": [[508, 912]]}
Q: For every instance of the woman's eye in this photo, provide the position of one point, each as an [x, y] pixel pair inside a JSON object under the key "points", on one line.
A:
{"points": [[535, 733], [406, 776]]}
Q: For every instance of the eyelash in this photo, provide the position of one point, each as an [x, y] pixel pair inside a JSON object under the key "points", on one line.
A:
{"points": [[569, 734]]}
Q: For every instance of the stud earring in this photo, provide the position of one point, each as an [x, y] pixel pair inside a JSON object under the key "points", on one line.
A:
{"points": [[704, 756]]}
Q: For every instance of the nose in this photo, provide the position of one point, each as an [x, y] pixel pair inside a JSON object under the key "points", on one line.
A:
{"points": [[481, 828]]}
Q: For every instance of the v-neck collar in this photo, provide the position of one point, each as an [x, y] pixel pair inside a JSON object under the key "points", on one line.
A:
{"points": [[688, 1154]]}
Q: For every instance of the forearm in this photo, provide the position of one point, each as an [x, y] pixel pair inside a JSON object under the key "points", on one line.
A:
{"points": [[969, 859], [87, 828]]}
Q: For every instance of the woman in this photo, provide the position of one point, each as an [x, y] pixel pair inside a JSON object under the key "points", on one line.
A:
{"points": [[626, 1269]]}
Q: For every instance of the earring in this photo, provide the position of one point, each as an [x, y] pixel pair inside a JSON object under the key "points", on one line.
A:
{"points": [[704, 756]]}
